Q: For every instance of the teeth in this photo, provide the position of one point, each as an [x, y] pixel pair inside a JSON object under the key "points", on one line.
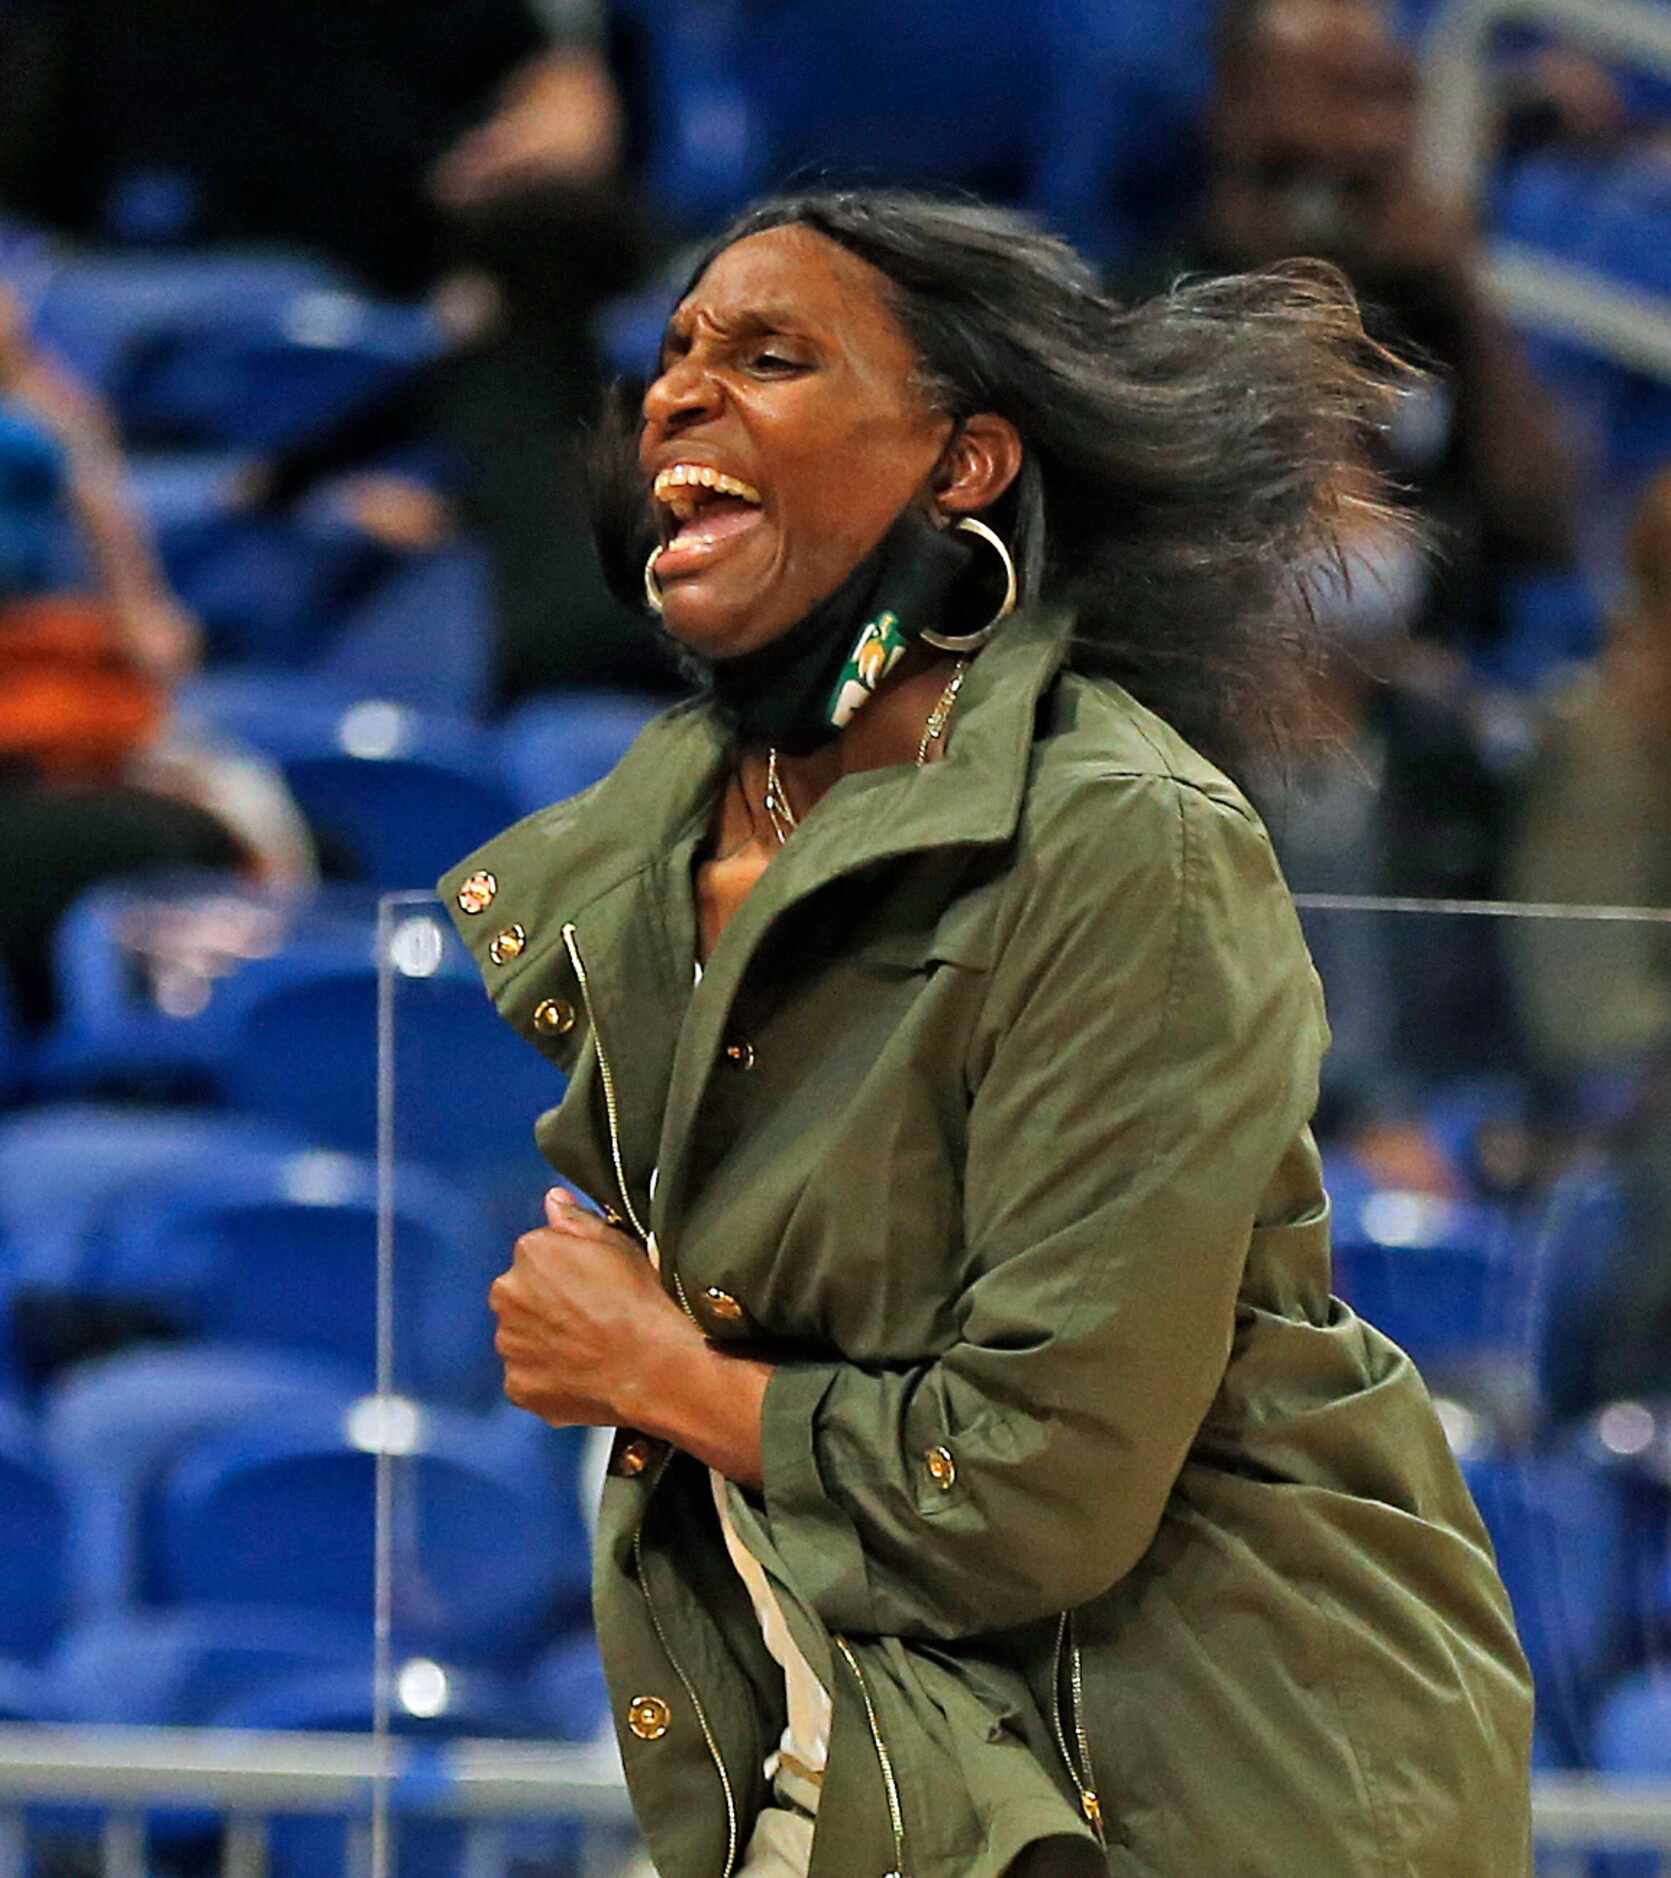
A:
{"points": [[679, 476]]}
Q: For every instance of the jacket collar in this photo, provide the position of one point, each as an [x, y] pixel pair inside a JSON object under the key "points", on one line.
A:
{"points": [[610, 871], [661, 793]]}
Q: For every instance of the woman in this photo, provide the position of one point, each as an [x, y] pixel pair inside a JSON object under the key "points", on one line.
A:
{"points": [[997, 1489]]}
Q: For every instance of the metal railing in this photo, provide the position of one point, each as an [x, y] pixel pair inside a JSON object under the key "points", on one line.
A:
{"points": [[250, 1777], [1551, 296]]}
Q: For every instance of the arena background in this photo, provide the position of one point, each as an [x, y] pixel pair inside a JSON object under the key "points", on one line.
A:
{"points": [[300, 307]]}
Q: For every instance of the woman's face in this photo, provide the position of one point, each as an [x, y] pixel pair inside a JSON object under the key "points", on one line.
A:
{"points": [[788, 382]]}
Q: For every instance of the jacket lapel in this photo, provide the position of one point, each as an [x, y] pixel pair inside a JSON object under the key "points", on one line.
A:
{"points": [[612, 867]]}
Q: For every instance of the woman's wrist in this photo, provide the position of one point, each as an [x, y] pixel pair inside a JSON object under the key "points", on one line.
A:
{"points": [[702, 1398]]}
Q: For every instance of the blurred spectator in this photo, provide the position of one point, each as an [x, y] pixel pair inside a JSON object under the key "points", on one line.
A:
{"points": [[341, 128], [92, 781], [1394, 796], [1603, 1296], [1549, 90], [1312, 150], [1596, 829]]}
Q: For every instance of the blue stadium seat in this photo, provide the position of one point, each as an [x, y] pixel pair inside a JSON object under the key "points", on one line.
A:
{"points": [[267, 375], [180, 1668], [1632, 1741], [116, 1425], [430, 1701], [13, 1384], [297, 1042], [1553, 620], [1579, 1240], [1565, 1538], [62, 1166], [441, 1700], [34, 1592], [403, 816], [25, 1694], [280, 1249], [1086, 111], [92, 309], [270, 588], [401, 793], [567, 1692], [491, 1553], [1437, 1276], [184, 1667], [554, 746], [137, 964], [224, 349], [423, 636]]}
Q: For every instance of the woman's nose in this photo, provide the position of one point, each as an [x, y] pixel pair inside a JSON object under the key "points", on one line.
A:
{"points": [[684, 394]]}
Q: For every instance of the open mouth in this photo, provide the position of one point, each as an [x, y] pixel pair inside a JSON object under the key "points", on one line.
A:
{"points": [[700, 511]]}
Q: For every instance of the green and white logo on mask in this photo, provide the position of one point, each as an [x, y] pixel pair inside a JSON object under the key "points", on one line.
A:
{"points": [[877, 650]]}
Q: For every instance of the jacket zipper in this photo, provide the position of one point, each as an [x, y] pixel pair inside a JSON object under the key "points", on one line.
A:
{"points": [[1080, 1770], [571, 942], [572, 945], [896, 1818], [695, 1700]]}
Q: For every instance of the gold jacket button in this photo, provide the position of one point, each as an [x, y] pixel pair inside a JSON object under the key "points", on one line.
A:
{"points": [[555, 1016], [648, 1717], [476, 894], [634, 1457], [740, 1055], [942, 1468], [508, 945], [722, 1304]]}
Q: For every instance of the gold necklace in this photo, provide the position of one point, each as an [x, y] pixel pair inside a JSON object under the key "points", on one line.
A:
{"points": [[775, 800], [941, 715]]}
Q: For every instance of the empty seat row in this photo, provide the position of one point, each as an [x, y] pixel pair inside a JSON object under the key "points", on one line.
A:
{"points": [[207, 1476]]}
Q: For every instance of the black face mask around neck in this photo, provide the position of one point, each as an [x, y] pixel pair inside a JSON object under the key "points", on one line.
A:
{"points": [[805, 686]]}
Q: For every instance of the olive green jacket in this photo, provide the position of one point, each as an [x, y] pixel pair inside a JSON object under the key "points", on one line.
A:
{"points": [[987, 1123]]}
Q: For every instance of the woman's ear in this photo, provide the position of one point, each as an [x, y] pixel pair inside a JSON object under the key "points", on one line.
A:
{"points": [[981, 460]]}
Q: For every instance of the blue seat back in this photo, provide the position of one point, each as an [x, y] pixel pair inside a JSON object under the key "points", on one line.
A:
{"points": [[491, 1551], [34, 1538], [422, 636], [401, 820], [184, 1668], [1565, 1538], [115, 1426], [1436, 1276], [554, 747], [280, 1250]]}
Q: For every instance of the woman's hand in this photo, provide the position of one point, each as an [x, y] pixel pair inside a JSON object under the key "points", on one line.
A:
{"points": [[589, 1338], [582, 1317]]}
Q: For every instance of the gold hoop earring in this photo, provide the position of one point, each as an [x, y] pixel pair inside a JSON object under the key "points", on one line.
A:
{"points": [[652, 593], [972, 642]]}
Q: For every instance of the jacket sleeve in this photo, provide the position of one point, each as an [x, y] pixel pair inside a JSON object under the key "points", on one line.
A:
{"points": [[1147, 1050]]}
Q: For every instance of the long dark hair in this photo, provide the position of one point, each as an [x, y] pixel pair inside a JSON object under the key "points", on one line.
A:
{"points": [[1186, 458]]}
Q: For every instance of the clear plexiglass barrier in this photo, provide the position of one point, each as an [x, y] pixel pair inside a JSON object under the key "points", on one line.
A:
{"points": [[1495, 1123]]}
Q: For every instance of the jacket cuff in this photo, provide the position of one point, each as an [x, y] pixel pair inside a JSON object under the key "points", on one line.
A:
{"points": [[818, 1543]]}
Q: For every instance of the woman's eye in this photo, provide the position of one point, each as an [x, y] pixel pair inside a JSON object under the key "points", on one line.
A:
{"points": [[774, 362]]}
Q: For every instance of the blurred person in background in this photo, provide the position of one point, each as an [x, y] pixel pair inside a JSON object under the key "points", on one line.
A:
{"points": [[347, 129], [1391, 793], [1595, 995], [471, 150], [1312, 146], [1312, 150], [94, 781], [1595, 829]]}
